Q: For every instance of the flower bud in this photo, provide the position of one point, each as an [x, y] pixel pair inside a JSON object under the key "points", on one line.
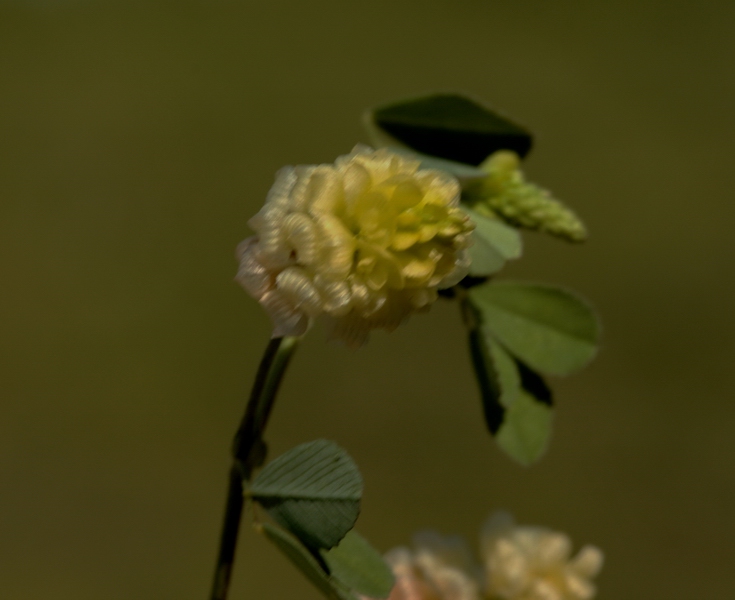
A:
{"points": [[506, 192]]}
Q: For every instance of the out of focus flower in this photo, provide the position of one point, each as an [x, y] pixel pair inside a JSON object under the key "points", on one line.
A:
{"points": [[535, 563], [363, 243], [438, 569], [506, 193], [518, 563]]}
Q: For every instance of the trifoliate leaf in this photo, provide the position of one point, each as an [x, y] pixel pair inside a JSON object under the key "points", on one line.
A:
{"points": [[304, 561], [494, 244], [356, 565], [526, 428], [313, 490], [449, 126], [547, 328], [516, 402]]}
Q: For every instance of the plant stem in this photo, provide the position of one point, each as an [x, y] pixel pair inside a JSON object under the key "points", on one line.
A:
{"points": [[249, 451]]}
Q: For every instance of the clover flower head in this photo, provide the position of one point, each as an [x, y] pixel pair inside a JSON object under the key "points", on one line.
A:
{"points": [[438, 569], [519, 563], [535, 563], [362, 243]]}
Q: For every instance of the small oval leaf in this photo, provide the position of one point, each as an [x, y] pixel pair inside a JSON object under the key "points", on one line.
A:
{"points": [[494, 244], [548, 328], [313, 490], [359, 567], [526, 429]]}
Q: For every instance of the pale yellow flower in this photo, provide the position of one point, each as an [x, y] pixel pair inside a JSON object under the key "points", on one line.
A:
{"points": [[535, 563], [438, 569], [519, 563], [362, 243]]}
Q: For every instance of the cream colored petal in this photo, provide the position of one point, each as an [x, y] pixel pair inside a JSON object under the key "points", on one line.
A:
{"points": [[356, 181], [295, 284], [287, 319], [542, 589], [439, 187], [579, 587], [336, 296], [451, 550], [252, 275], [273, 251], [302, 236], [365, 301], [299, 197], [266, 217], [325, 193], [373, 254], [588, 561], [508, 568], [527, 538], [454, 585], [553, 547], [338, 247], [279, 194]]}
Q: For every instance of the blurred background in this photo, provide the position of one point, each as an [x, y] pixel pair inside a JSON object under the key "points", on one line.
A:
{"points": [[137, 138]]}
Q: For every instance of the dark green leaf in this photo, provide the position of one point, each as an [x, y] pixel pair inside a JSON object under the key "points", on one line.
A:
{"points": [[548, 328], [305, 562], [359, 567], [450, 126], [314, 490]]}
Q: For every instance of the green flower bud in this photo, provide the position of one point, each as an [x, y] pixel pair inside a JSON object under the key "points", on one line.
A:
{"points": [[506, 193]]}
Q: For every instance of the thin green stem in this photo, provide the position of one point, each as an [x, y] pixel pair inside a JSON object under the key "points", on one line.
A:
{"points": [[249, 451]]}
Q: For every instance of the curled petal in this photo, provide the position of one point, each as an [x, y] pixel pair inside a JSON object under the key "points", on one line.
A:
{"points": [[337, 296], [295, 284], [356, 180], [338, 246], [287, 319], [302, 236], [325, 192], [252, 275], [279, 194]]}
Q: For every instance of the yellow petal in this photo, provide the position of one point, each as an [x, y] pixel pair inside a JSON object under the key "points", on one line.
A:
{"points": [[404, 239]]}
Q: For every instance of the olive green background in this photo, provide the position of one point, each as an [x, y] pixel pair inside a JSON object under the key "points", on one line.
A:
{"points": [[137, 138]]}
